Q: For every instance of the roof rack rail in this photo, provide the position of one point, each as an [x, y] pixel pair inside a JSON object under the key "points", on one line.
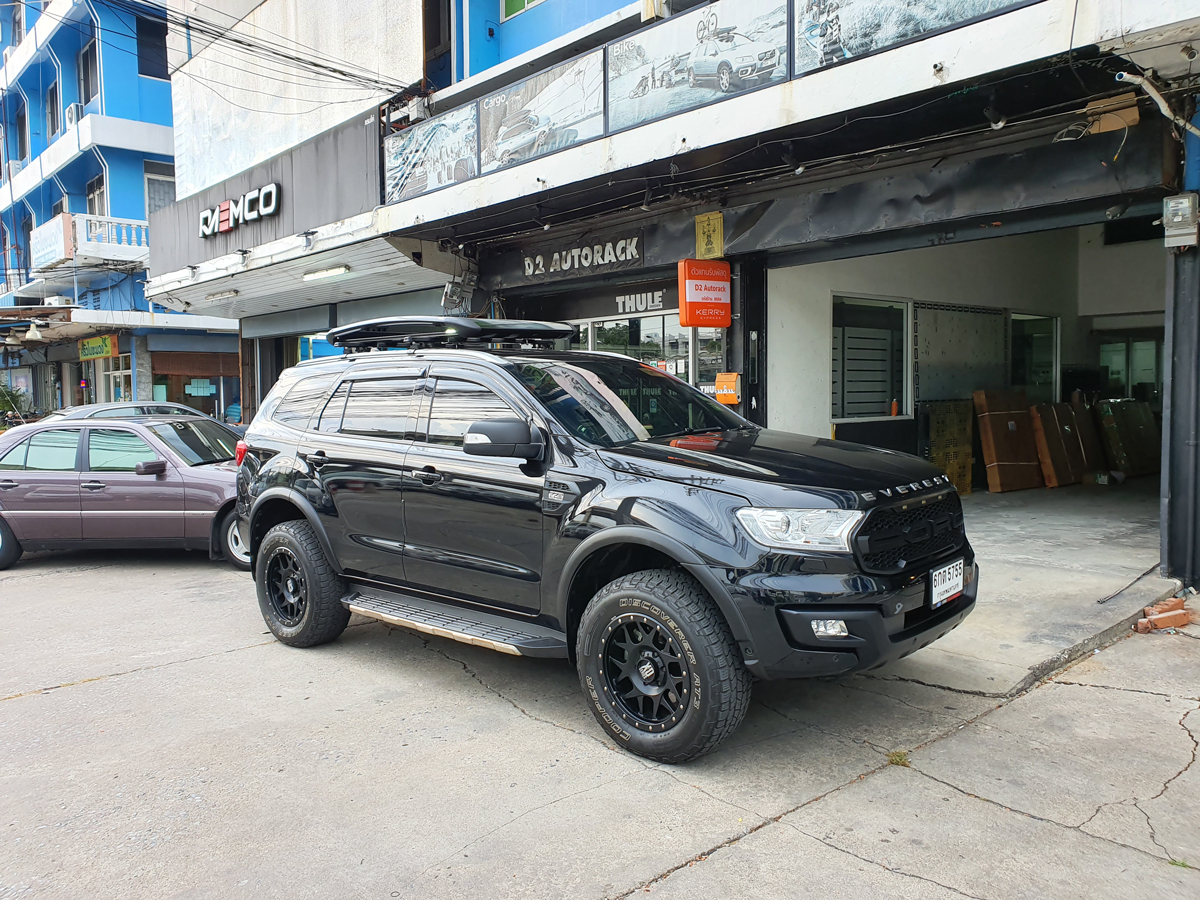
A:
{"points": [[442, 331]]}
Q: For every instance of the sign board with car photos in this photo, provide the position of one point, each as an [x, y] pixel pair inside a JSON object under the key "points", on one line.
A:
{"points": [[684, 62]]}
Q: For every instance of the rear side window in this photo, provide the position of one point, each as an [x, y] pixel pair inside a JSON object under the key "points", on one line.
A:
{"points": [[52, 451], [120, 412], [302, 401], [110, 450], [457, 405], [379, 407], [331, 416], [14, 459]]}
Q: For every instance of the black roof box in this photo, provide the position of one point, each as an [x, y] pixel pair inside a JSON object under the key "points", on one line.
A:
{"points": [[408, 331]]}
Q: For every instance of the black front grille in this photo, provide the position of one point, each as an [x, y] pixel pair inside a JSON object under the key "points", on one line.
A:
{"points": [[898, 538]]}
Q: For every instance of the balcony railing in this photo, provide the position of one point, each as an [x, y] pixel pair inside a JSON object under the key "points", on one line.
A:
{"points": [[85, 240], [118, 240]]}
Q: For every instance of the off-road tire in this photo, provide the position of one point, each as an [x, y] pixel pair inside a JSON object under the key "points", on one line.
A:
{"points": [[227, 538], [323, 617], [718, 685], [10, 547]]}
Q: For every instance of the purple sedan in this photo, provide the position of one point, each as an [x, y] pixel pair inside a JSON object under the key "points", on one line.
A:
{"points": [[120, 483]]}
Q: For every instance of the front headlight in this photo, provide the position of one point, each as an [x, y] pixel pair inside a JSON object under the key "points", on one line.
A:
{"points": [[800, 529], [745, 59]]}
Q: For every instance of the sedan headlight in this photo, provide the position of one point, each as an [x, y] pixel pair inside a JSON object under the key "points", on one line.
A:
{"points": [[800, 529]]}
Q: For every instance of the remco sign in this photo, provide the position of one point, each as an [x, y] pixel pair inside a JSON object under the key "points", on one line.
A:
{"points": [[250, 207]]}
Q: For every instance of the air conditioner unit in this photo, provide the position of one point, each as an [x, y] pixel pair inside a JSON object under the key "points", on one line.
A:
{"points": [[58, 300], [8, 52], [74, 114]]}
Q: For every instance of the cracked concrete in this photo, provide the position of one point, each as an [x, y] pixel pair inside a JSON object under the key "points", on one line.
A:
{"points": [[179, 753]]}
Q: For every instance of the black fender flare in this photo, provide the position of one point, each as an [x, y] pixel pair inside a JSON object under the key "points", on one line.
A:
{"points": [[298, 500], [681, 553]]}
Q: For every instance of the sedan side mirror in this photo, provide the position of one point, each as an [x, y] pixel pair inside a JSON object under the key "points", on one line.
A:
{"points": [[512, 438], [152, 467]]}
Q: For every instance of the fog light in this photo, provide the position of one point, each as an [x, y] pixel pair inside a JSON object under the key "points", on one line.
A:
{"points": [[829, 628]]}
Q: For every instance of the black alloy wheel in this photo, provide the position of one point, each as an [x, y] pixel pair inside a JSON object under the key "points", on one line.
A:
{"points": [[646, 672], [285, 587], [299, 592], [659, 667]]}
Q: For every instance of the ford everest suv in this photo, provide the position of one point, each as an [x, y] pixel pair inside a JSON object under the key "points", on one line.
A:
{"points": [[463, 478]]}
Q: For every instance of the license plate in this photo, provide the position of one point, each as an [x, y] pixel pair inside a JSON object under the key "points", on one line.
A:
{"points": [[946, 583]]}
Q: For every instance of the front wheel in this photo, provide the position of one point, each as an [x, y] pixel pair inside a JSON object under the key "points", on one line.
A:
{"points": [[299, 593], [725, 78], [233, 545], [659, 666]]}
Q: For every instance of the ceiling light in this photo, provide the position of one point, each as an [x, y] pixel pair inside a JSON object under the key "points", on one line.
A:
{"points": [[799, 170], [33, 334], [220, 295], [326, 273], [12, 340]]}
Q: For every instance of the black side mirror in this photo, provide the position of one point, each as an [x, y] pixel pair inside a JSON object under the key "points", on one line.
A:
{"points": [[153, 467], [512, 438]]}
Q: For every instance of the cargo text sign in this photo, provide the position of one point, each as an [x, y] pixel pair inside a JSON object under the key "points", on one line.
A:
{"points": [[704, 294]]}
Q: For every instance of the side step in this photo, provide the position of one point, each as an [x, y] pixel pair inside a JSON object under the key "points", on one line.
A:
{"points": [[459, 623]]}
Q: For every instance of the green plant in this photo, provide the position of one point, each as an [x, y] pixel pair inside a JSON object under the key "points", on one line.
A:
{"points": [[1180, 863], [11, 400], [898, 758]]}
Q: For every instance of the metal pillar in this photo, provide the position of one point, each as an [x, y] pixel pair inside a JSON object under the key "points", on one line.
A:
{"points": [[1180, 492]]}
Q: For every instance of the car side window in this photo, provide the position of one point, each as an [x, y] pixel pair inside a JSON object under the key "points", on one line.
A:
{"points": [[331, 415], [119, 413], [302, 400], [110, 450], [53, 451], [14, 459], [379, 407], [457, 404]]}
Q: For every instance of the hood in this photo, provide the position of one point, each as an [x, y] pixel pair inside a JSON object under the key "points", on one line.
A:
{"points": [[772, 458]]}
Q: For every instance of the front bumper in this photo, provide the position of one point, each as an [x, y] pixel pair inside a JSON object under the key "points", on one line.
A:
{"points": [[888, 620]]}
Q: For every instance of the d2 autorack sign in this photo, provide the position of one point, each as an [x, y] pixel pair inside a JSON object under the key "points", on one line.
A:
{"points": [[251, 206], [704, 293]]}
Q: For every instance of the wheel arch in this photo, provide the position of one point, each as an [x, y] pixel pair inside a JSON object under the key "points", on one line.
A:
{"points": [[277, 505], [622, 549], [214, 531]]}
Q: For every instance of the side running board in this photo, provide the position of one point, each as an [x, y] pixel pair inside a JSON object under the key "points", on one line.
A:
{"points": [[458, 623]]}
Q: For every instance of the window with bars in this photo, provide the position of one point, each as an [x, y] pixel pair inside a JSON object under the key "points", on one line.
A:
{"points": [[868, 359], [97, 197]]}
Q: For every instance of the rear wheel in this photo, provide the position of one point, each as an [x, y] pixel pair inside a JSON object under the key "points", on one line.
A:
{"points": [[10, 548], [660, 667], [233, 546], [299, 594]]}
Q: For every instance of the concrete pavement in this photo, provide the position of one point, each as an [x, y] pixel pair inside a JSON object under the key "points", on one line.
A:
{"points": [[159, 744]]}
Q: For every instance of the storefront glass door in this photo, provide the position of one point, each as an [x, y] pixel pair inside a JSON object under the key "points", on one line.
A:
{"points": [[115, 379]]}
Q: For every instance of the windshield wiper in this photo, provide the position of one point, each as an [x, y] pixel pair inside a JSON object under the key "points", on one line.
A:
{"points": [[211, 462]]}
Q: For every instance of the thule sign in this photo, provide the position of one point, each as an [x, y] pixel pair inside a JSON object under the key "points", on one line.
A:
{"points": [[250, 207]]}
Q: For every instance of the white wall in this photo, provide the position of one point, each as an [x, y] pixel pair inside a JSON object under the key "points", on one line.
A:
{"points": [[1122, 278], [1036, 273], [235, 107]]}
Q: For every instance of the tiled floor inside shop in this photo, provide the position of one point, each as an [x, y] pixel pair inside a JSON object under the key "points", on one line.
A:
{"points": [[1046, 558]]}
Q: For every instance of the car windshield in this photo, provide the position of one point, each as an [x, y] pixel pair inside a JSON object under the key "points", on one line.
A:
{"points": [[197, 442], [613, 401]]}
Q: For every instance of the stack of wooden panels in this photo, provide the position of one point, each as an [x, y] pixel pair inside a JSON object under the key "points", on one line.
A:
{"points": [[951, 432], [1006, 435], [1089, 438], [1059, 448], [1131, 437]]}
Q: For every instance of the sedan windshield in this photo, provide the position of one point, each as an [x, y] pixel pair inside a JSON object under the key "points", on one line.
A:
{"points": [[612, 401], [197, 442]]}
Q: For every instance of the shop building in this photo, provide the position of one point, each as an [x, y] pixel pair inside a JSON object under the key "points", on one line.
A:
{"points": [[87, 155], [911, 214]]}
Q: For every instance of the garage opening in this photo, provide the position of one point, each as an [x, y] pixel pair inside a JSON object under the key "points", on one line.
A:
{"points": [[1028, 367]]}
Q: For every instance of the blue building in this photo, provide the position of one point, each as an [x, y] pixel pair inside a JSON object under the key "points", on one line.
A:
{"points": [[86, 155]]}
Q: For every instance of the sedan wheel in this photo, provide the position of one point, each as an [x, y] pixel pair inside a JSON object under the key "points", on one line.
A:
{"points": [[233, 545]]}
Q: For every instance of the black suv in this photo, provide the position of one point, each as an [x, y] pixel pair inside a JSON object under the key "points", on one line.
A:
{"points": [[463, 478]]}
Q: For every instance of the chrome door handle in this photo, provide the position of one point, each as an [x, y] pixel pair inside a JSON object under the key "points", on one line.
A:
{"points": [[316, 460], [93, 486], [430, 475], [7, 485]]}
